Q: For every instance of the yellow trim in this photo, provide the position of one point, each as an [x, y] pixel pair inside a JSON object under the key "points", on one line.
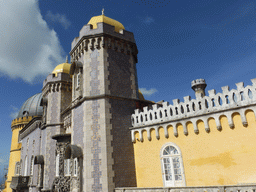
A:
{"points": [[21, 120], [141, 97], [103, 19]]}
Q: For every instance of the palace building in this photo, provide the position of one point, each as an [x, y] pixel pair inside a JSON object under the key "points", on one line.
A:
{"points": [[91, 130]]}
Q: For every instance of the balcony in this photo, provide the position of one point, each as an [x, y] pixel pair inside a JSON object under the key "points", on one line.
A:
{"points": [[19, 182]]}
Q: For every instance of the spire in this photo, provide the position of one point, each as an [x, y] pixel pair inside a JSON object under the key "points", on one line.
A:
{"points": [[66, 59], [102, 11]]}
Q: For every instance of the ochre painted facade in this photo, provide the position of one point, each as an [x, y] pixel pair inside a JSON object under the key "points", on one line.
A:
{"points": [[223, 157], [17, 125]]}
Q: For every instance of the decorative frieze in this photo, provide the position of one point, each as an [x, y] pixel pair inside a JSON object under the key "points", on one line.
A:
{"points": [[212, 106], [116, 44]]}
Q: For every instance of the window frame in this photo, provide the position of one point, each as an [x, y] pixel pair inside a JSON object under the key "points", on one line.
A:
{"points": [[78, 80], [75, 167], [173, 183], [67, 170], [32, 166], [26, 166], [17, 168], [57, 165]]}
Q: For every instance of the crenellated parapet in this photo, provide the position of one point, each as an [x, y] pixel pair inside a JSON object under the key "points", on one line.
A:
{"points": [[104, 36], [57, 83], [21, 121], [200, 109]]}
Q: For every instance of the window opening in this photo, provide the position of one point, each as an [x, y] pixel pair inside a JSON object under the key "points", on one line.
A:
{"points": [[57, 164], [172, 166], [67, 167], [75, 167]]}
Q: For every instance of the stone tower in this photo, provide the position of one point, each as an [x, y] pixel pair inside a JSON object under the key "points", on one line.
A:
{"points": [[104, 95], [56, 96], [199, 86]]}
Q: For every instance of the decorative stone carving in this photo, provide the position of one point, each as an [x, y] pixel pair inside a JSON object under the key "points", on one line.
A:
{"points": [[61, 183]]}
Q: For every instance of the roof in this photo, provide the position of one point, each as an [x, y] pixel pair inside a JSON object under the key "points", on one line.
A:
{"points": [[102, 18], [31, 107]]}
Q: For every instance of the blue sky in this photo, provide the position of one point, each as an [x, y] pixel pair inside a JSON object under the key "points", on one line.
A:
{"points": [[178, 41]]}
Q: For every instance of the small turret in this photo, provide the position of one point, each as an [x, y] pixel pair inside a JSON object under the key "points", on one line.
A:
{"points": [[198, 86]]}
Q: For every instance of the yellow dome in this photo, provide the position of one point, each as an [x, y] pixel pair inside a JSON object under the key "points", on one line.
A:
{"points": [[141, 97], [62, 68], [102, 18]]}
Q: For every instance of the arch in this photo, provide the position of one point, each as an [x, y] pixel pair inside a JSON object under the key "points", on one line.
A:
{"points": [[75, 167], [57, 165], [17, 168], [179, 127], [248, 111], [32, 165], [189, 126], [72, 151], [135, 136], [236, 119], [198, 122], [26, 166], [172, 165], [39, 159]]}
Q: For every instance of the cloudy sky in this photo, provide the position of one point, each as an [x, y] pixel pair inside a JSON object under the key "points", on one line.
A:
{"points": [[178, 41]]}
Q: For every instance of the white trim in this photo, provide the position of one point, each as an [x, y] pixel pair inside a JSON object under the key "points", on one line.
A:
{"points": [[67, 171], [57, 163], [75, 167], [172, 183], [32, 165], [26, 166]]}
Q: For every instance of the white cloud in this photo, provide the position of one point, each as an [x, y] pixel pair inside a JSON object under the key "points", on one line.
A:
{"points": [[149, 92], [14, 112], [28, 47], [58, 18]]}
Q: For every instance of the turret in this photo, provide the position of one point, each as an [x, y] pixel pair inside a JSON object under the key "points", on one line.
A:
{"points": [[199, 86]]}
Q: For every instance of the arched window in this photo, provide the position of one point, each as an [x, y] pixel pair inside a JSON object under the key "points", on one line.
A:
{"points": [[67, 167], [172, 166], [75, 167], [32, 166], [57, 164], [17, 168], [20, 167], [26, 166]]}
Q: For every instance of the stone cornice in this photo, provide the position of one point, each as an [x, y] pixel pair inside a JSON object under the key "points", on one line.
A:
{"points": [[56, 86], [103, 41], [31, 126], [77, 102]]}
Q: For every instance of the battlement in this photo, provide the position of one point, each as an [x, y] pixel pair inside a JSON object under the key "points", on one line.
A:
{"points": [[56, 78], [198, 82], [105, 28], [214, 103], [21, 120]]}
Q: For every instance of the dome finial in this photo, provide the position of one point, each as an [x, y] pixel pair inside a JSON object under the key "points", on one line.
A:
{"points": [[102, 11], [66, 59]]}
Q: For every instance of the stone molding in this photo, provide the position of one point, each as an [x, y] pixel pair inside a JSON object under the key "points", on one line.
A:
{"points": [[56, 87], [30, 127], [212, 106], [227, 188], [104, 41]]}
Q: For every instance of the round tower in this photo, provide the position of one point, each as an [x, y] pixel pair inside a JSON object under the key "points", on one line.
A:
{"points": [[199, 86], [29, 109]]}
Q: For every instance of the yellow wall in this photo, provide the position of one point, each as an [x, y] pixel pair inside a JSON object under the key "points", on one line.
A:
{"points": [[215, 158], [17, 125]]}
